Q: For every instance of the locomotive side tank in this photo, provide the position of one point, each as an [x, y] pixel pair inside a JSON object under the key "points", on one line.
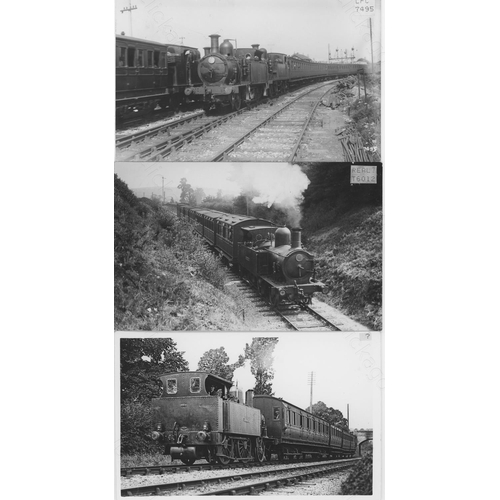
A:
{"points": [[197, 416]]}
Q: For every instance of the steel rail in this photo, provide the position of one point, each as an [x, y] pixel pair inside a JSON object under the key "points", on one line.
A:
{"points": [[304, 128], [123, 142], [182, 484], [222, 154], [267, 484], [148, 470]]}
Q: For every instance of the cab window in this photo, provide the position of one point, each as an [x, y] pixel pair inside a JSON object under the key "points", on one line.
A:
{"points": [[171, 386], [195, 383], [276, 413]]}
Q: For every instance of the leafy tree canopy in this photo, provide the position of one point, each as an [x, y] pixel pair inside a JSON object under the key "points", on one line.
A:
{"points": [[334, 417], [260, 354], [142, 361], [216, 361]]}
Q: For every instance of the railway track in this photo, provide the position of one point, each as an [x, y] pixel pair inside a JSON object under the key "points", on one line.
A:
{"points": [[151, 470], [270, 131], [273, 477], [315, 317]]}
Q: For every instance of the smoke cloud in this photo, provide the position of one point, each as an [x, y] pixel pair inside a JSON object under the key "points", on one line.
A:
{"points": [[278, 184]]}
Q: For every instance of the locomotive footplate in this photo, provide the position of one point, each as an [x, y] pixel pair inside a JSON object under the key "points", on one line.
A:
{"points": [[303, 293], [226, 90]]}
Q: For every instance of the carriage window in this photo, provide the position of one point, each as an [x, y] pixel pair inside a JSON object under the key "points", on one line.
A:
{"points": [[122, 56], [131, 57], [195, 384], [140, 58], [156, 61], [288, 416], [276, 413], [162, 59], [150, 58], [171, 386]]}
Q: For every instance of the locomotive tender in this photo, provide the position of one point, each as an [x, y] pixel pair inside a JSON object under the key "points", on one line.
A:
{"points": [[231, 76], [271, 257], [199, 416], [151, 73]]}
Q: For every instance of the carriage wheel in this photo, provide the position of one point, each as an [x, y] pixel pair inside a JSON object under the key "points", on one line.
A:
{"points": [[188, 461], [260, 450], [227, 449], [243, 448]]}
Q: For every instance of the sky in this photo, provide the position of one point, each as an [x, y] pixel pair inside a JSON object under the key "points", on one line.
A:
{"points": [[347, 369], [286, 26], [279, 183]]}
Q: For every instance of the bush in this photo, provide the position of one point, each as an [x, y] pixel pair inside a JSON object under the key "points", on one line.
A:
{"points": [[136, 425], [360, 480]]}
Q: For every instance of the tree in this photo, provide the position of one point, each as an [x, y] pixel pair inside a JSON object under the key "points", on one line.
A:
{"points": [[260, 354], [186, 190], [334, 417], [216, 361], [142, 361], [199, 194]]}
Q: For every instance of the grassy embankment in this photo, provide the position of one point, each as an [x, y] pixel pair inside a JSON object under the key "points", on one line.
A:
{"points": [[165, 279], [343, 229]]}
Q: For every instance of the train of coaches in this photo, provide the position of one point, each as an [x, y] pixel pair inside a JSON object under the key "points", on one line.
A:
{"points": [[151, 74], [198, 416], [269, 256]]}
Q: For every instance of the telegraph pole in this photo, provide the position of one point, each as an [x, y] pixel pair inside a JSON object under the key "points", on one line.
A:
{"points": [[371, 41], [163, 188], [311, 382], [181, 38]]}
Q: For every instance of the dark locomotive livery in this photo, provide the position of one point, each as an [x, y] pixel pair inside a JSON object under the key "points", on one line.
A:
{"points": [[151, 73], [270, 256], [199, 416], [232, 76]]}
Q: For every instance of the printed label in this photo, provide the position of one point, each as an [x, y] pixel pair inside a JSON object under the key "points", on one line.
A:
{"points": [[363, 174]]}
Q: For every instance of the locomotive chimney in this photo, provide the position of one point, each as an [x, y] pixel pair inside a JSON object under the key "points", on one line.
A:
{"points": [[296, 237], [255, 46], [207, 50], [249, 398], [214, 43]]}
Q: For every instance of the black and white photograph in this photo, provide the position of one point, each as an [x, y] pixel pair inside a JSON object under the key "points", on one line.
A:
{"points": [[227, 414], [248, 247], [221, 80]]}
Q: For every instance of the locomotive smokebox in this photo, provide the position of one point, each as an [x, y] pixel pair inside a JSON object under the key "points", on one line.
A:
{"points": [[297, 237], [226, 48], [249, 397], [207, 51], [282, 236], [214, 44]]}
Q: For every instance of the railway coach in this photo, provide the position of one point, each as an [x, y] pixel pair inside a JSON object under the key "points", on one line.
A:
{"points": [[151, 73], [294, 432]]}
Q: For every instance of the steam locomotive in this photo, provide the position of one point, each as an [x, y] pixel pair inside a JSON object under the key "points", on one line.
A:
{"points": [[150, 74], [199, 416], [271, 257], [232, 76]]}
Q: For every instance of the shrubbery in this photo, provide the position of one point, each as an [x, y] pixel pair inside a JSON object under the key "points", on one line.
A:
{"points": [[360, 480], [156, 255]]}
